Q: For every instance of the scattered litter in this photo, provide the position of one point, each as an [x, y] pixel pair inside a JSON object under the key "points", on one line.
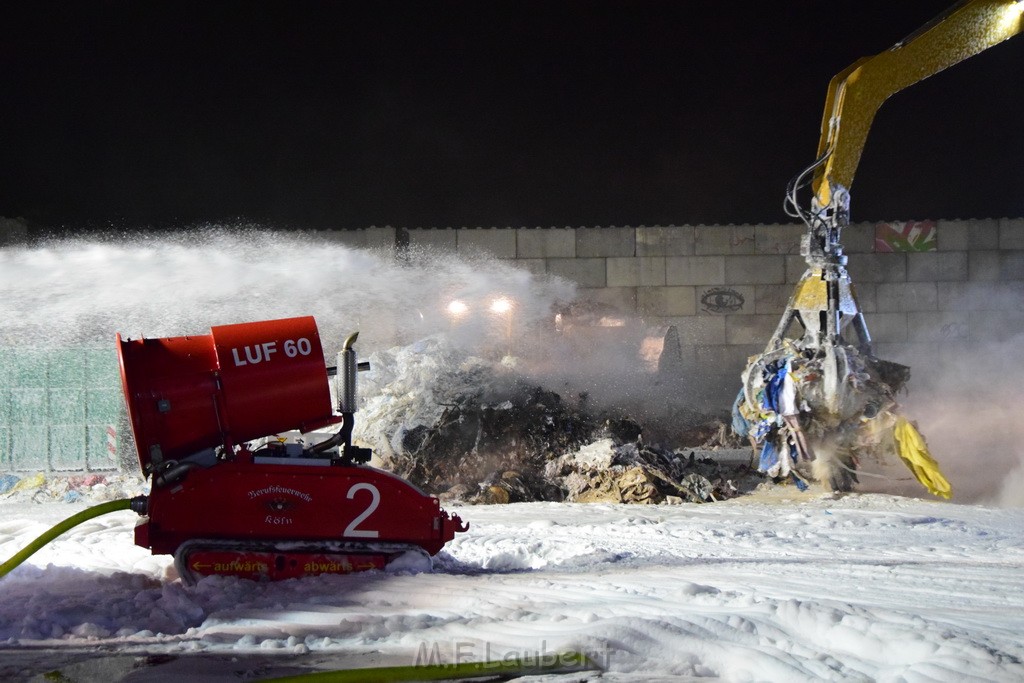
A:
{"points": [[71, 488]]}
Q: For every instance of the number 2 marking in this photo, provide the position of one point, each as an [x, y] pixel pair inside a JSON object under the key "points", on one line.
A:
{"points": [[351, 529]]}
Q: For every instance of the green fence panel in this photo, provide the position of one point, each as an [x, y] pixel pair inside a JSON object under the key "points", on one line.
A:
{"points": [[101, 369], [6, 420], [29, 407], [67, 447], [66, 406], [30, 448], [5, 448], [6, 367], [67, 368], [29, 370], [60, 409]]}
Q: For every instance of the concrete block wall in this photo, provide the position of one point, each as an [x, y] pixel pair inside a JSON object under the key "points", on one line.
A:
{"points": [[725, 287]]}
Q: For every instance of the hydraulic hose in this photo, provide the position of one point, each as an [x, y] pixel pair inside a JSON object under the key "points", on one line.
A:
{"points": [[137, 504]]}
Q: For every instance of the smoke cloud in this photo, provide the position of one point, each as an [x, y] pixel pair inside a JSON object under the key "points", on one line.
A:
{"points": [[969, 407], [83, 291]]}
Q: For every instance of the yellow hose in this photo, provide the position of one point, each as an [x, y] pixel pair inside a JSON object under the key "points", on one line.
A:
{"points": [[59, 528], [565, 662]]}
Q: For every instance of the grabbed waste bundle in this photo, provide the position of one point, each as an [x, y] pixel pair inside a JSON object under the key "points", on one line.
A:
{"points": [[814, 407]]}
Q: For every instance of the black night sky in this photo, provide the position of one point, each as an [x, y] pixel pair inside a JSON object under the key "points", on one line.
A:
{"points": [[345, 115]]}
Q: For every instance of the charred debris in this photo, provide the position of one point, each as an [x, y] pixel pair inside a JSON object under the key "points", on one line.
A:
{"points": [[471, 430]]}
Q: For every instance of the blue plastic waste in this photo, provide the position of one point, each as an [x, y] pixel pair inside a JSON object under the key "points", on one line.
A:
{"points": [[7, 482]]}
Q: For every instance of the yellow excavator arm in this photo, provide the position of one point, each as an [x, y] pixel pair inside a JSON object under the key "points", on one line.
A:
{"points": [[855, 94], [843, 391]]}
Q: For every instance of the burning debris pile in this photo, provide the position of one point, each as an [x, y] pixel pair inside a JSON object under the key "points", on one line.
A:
{"points": [[464, 428]]}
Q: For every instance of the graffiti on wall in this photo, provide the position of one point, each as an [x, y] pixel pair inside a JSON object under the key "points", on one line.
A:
{"points": [[721, 300], [908, 236]]}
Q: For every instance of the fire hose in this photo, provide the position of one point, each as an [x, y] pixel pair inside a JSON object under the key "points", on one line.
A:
{"points": [[138, 504], [553, 663]]}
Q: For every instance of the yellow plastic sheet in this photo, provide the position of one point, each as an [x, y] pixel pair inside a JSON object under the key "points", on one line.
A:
{"points": [[33, 481], [914, 452]]}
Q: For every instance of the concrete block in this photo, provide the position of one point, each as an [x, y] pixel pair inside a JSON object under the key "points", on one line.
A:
{"points": [[778, 239], [726, 300], [368, 238], [996, 326], [981, 296], [887, 327], [537, 266], [1011, 265], [699, 329], [671, 240], [878, 267], [755, 270], [858, 238], [498, 242], [1010, 296], [1011, 233], [982, 234], [728, 359], [866, 296], [712, 239], [796, 266], [695, 270], [440, 239], [545, 243], [938, 326], [354, 239], [952, 235], [622, 299], [622, 272], [666, 301], [956, 296], [586, 272], [597, 242], [750, 329], [771, 299], [724, 239], [907, 296], [743, 240], [937, 266], [983, 265], [647, 271], [379, 238]]}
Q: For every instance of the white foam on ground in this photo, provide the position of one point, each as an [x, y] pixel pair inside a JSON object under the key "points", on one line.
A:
{"points": [[780, 587]]}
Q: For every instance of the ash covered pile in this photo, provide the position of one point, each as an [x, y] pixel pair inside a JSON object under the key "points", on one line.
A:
{"points": [[467, 428]]}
